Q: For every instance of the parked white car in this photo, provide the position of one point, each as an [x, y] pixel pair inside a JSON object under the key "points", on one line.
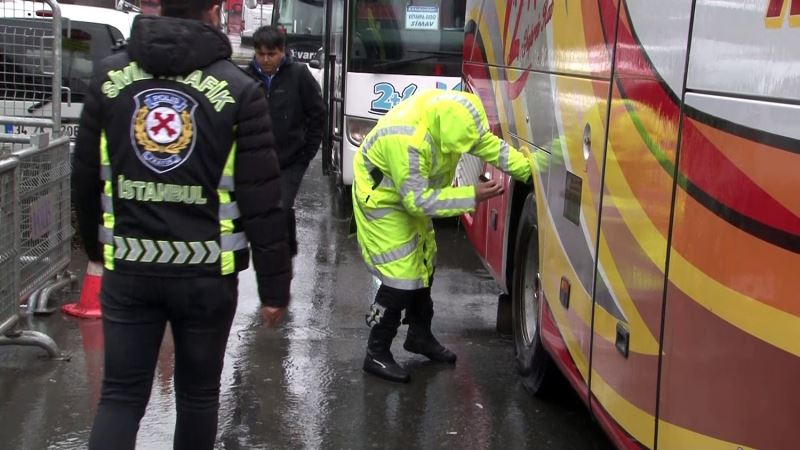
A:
{"points": [[89, 34]]}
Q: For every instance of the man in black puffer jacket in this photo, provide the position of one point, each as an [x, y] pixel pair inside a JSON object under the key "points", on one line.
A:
{"points": [[175, 163], [297, 111]]}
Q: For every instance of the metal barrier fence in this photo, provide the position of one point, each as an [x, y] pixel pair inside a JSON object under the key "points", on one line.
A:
{"points": [[10, 263], [35, 225], [45, 226], [9, 245]]}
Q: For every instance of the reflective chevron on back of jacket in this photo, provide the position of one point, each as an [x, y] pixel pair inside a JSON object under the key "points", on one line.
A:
{"points": [[165, 252]]}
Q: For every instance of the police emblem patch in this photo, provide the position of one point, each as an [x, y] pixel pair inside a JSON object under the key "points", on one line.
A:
{"points": [[163, 132]]}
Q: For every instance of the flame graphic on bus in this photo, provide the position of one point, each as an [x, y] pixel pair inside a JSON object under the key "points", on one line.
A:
{"points": [[776, 13]]}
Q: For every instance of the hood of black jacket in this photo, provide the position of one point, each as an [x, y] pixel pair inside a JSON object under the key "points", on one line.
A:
{"points": [[169, 46]]}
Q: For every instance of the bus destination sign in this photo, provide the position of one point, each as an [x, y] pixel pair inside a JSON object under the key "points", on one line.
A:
{"points": [[422, 18]]}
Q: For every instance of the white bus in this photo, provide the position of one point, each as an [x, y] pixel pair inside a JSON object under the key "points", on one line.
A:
{"points": [[376, 53]]}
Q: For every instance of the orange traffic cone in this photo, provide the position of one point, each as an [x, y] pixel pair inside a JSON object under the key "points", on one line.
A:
{"points": [[89, 305]]}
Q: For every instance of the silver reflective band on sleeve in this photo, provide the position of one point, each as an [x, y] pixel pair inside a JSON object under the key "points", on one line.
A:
{"points": [[402, 130], [502, 159], [472, 110], [398, 253], [414, 183], [105, 173], [397, 283], [226, 182], [454, 203], [107, 204], [105, 235], [433, 206], [229, 211], [233, 242], [427, 204]]}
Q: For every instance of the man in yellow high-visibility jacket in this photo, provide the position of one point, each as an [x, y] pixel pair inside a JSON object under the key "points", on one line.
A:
{"points": [[403, 175]]}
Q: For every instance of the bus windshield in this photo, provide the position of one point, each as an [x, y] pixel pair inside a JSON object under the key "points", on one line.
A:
{"points": [[301, 16], [421, 37], [303, 21]]}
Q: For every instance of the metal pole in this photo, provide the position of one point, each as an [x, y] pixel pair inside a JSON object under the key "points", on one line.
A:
{"points": [[57, 70]]}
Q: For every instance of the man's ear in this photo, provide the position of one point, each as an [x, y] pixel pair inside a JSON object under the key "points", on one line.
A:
{"points": [[211, 15]]}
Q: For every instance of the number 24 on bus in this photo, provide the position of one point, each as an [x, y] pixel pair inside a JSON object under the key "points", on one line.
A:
{"points": [[387, 96]]}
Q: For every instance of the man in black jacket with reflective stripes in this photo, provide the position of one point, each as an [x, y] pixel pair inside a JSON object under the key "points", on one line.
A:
{"points": [[297, 111], [175, 163]]}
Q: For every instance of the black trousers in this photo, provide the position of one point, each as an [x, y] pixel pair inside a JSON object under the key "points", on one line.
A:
{"points": [[291, 178], [136, 310]]}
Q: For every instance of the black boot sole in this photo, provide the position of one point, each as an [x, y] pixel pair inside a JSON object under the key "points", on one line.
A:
{"points": [[381, 370], [433, 356]]}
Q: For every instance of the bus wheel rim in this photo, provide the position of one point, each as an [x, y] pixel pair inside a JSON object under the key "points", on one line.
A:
{"points": [[531, 292]]}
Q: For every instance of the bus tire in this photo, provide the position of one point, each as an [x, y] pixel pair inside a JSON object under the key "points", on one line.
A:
{"points": [[341, 198], [533, 361], [503, 323]]}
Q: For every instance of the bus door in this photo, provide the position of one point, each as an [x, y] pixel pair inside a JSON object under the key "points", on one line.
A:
{"points": [[731, 345], [333, 69], [644, 121]]}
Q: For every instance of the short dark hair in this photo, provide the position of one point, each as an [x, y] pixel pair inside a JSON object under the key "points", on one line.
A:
{"points": [[187, 9], [269, 36]]}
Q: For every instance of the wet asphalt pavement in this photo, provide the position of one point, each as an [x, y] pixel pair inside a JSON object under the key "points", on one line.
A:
{"points": [[301, 386]]}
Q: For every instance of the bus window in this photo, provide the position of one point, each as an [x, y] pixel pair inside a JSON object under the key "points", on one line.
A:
{"points": [[303, 21], [423, 37], [301, 16]]}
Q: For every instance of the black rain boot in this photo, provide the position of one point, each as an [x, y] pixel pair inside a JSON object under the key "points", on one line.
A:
{"points": [[379, 360], [420, 339]]}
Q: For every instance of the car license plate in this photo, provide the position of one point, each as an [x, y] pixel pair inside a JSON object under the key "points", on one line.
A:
{"points": [[67, 129]]}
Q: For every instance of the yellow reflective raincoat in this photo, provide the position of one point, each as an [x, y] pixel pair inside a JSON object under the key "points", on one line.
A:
{"points": [[403, 175]]}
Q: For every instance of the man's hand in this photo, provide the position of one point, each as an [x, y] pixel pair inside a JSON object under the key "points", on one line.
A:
{"points": [[487, 190], [272, 316]]}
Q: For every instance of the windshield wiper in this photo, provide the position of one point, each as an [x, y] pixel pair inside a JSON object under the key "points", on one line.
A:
{"points": [[400, 62], [436, 52], [39, 105]]}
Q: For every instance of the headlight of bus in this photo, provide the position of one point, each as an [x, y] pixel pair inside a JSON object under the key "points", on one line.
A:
{"points": [[357, 129]]}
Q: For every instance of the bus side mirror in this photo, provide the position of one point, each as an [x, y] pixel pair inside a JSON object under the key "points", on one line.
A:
{"points": [[250, 3], [314, 64]]}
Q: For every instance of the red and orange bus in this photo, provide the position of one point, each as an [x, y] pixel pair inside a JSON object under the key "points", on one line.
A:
{"points": [[656, 258]]}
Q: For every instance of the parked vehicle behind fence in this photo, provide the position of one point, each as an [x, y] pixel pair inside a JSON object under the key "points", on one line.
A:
{"points": [[89, 35]]}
